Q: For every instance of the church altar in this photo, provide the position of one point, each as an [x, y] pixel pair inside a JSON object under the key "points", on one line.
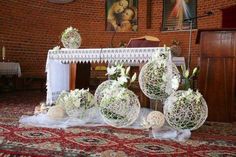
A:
{"points": [[58, 63]]}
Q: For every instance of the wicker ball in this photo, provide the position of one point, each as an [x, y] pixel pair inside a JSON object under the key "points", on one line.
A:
{"points": [[155, 80], [56, 112], [102, 89], [71, 38], [120, 107], [156, 119], [185, 110]]}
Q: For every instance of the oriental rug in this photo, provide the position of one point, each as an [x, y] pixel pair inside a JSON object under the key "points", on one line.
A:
{"points": [[212, 139]]}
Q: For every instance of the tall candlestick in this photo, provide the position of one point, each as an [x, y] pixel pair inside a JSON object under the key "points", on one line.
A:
{"points": [[3, 53]]}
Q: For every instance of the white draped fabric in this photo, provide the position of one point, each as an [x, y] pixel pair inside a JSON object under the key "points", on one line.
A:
{"points": [[57, 79], [10, 68], [57, 67]]}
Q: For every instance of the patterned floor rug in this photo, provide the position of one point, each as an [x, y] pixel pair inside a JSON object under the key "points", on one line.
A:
{"points": [[213, 139]]}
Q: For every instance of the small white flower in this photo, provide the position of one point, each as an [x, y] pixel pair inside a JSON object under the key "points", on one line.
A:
{"points": [[56, 48], [133, 77], [186, 74], [175, 83], [123, 79], [111, 71], [122, 72], [164, 78]]}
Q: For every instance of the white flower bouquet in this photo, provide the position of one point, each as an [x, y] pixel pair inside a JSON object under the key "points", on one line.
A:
{"points": [[119, 77], [71, 38], [185, 110]]}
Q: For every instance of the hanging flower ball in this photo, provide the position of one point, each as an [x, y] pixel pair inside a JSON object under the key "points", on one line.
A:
{"points": [[156, 119], [102, 89], [185, 110], [120, 107], [71, 38], [158, 79]]}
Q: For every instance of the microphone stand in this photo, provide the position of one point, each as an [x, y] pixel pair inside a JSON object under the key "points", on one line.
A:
{"points": [[190, 20]]}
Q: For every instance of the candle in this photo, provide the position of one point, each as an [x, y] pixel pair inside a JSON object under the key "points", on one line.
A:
{"points": [[3, 52]]}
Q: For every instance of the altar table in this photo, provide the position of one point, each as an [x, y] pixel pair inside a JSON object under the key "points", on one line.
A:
{"points": [[60, 66], [10, 68]]}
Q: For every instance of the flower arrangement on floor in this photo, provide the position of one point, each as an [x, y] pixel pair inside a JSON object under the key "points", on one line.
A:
{"points": [[159, 77], [119, 107], [71, 38], [185, 110], [76, 102]]}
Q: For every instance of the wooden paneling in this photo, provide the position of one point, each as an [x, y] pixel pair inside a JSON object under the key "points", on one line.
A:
{"points": [[228, 17], [217, 77]]}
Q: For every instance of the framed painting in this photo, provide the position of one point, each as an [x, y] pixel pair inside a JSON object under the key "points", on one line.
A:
{"points": [[175, 13], [121, 15]]}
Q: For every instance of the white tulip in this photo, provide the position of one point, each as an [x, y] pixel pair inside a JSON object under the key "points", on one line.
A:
{"points": [[127, 70], [133, 77]]}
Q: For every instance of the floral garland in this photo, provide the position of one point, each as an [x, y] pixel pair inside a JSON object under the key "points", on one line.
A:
{"points": [[71, 38]]}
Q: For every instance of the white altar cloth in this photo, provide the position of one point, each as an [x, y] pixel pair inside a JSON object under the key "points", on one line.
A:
{"points": [[58, 73], [10, 68]]}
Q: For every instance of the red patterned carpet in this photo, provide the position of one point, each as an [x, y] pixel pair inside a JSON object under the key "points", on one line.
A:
{"points": [[213, 139]]}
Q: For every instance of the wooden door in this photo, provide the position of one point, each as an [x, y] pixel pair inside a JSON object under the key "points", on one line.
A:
{"points": [[217, 76]]}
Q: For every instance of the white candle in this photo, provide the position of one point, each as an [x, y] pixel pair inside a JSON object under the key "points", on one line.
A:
{"points": [[3, 52]]}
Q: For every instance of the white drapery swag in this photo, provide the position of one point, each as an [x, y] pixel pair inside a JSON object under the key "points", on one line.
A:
{"points": [[58, 61]]}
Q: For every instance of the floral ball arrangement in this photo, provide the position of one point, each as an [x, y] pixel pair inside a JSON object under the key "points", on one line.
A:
{"points": [[102, 89], [120, 107], [159, 78], [76, 102], [71, 38], [185, 110]]}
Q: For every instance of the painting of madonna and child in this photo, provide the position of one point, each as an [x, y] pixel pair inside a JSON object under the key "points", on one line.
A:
{"points": [[121, 15]]}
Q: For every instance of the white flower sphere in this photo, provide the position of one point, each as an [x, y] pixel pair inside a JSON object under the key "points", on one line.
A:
{"points": [[157, 81], [76, 102], [156, 119], [120, 107], [102, 89], [185, 110], [71, 38]]}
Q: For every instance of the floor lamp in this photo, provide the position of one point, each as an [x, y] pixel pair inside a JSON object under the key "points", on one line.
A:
{"points": [[190, 20]]}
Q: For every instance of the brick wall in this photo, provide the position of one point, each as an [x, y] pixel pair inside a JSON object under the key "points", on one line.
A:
{"points": [[29, 28]]}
